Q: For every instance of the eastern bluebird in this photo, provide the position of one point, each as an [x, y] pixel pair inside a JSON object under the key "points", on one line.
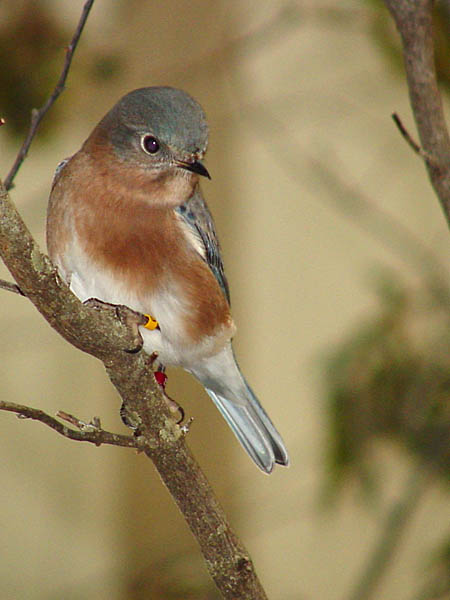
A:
{"points": [[127, 224]]}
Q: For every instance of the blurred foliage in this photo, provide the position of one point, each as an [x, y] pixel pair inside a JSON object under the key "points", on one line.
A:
{"points": [[106, 66], [391, 380], [438, 584], [32, 51], [382, 29]]}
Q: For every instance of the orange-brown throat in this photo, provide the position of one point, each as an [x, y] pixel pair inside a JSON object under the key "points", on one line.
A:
{"points": [[139, 241], [170, 186]]}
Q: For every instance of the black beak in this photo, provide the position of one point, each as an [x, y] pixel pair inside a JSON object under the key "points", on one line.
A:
{"points": [[195, 167]]}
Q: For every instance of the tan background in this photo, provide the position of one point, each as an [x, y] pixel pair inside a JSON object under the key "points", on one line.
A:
{"points": [[80, 522]]}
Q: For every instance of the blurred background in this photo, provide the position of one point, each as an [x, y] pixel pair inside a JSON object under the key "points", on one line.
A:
{"points": [[337, 253]]}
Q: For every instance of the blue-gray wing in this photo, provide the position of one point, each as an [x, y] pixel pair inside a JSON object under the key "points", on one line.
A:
{"points": [[59, 168], [200, 229]]}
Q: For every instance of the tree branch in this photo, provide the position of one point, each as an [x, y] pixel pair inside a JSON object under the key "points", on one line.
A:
{"points": [[414, 23], [38, 115], [102, 335], [88, 432], [10, 287]]}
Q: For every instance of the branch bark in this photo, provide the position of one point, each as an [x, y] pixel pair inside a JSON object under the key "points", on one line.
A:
{"points": [[88, 432], [10, 287], [414, 23], [107, 338]]}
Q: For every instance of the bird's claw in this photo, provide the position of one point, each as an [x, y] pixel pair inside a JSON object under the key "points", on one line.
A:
{"points": [[128, 419], [174, 407], [187, 426], [129, 317]]}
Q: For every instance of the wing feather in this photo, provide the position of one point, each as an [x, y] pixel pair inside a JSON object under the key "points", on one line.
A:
{"points": [[201, 232]]}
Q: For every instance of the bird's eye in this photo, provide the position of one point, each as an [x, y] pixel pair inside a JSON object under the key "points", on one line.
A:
{"points": [[150, 144]]}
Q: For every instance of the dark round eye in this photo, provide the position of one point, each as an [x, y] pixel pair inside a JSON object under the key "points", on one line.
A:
{"points": [[150, 144]]}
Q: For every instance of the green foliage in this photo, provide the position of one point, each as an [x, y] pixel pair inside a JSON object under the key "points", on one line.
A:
{"points": [[391, 380], [438, 584], [31, 54]]}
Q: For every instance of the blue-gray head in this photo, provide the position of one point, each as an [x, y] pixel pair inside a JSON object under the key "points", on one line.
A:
{"points": [[157, 129]]}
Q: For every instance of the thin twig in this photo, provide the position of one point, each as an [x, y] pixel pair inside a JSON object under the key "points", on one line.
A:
{"points": [[350, 199], [38, 115], [414, 145], [92, 434], [414, 21], [408, 138], [10, 287]]}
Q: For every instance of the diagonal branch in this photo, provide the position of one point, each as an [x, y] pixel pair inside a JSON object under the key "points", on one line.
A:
{"points": [[38, 115], [414, 23], [105, 337]]}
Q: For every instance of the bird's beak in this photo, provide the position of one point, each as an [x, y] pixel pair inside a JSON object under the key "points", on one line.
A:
{"points": [[196, 167]]}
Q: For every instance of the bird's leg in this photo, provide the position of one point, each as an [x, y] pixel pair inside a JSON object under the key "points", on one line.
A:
{"points": [[174, 407], [131, 318], [134, 320]]}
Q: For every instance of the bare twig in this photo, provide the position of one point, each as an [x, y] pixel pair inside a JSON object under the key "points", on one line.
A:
{"points": [[94, 423], [351, 200], [93, 434], [415, 25], [409, 140], [10, 287], [38, 115]]}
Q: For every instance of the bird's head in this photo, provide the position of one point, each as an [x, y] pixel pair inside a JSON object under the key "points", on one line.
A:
{"points": [[159, 131]]}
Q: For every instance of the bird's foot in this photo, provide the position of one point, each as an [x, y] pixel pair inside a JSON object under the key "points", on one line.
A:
{"points": [[129, 317], [185, 428], [174, 407], [128, 420]]}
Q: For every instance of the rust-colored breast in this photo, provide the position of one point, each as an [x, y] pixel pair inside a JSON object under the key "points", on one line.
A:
{"points": [[140, 243]]}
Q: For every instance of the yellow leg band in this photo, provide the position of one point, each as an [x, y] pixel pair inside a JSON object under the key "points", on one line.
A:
{"points": [[151, 323]]}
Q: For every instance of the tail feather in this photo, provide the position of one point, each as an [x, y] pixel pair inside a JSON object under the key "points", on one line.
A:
{"points": [[279, 449], [247, 430], [242, 411], [254, 430]]}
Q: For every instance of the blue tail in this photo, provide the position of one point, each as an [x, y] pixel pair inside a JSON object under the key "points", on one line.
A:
{"points": [[242, 411], [254, 430]]}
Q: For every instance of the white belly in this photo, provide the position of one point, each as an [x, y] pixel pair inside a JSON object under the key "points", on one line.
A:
{"points": [[171, 343]]}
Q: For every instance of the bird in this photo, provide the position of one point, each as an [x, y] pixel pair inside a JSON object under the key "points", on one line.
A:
{"points": [[127, 224]]}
